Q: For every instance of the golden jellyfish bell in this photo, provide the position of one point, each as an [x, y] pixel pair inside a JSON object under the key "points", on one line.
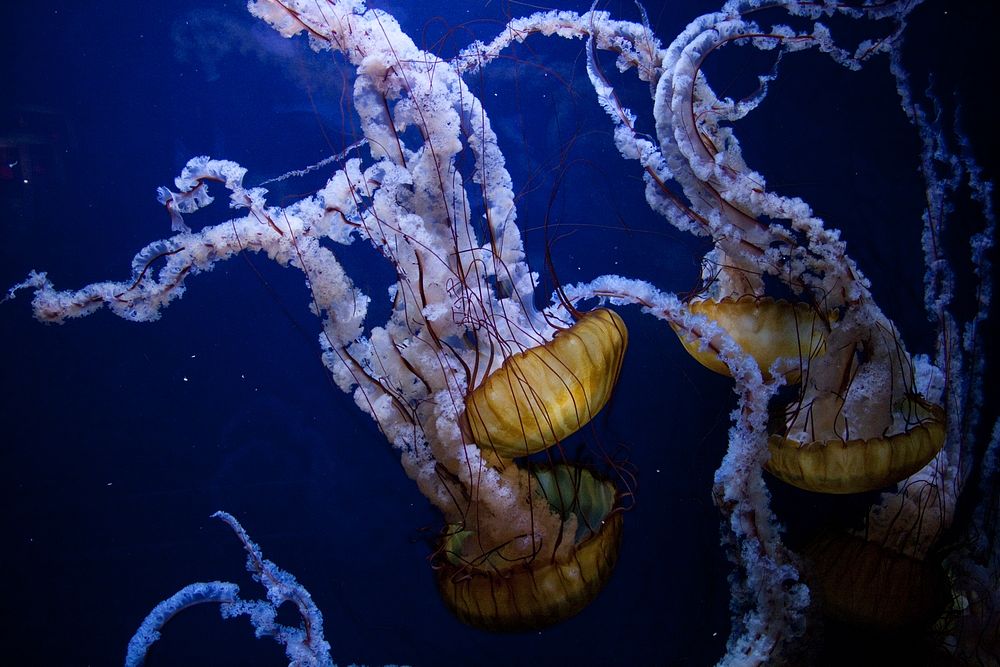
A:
{"points": [[546, 393], [766, 329], [866, 584], [501, 595], [859, 465]]}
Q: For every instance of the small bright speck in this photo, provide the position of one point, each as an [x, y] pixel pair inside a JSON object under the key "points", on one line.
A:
{"points": [[185, 379]]}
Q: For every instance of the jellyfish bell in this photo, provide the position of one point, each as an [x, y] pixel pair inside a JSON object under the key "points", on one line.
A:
{"points": [[887, 581], [860, 464], [859, 422], [491, 592], [864, 583], [769, 330], [540, 396]]}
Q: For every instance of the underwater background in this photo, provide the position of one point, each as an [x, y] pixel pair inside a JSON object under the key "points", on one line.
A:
{"points": [[118, 440]]}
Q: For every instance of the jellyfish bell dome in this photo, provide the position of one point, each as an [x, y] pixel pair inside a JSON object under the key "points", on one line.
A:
{"points": [[857, 465], [492, 592], [767, 329], [863, 583], [860, 421], [545, 393]]}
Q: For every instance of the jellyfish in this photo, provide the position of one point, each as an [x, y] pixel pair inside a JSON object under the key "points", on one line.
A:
{"points": [[858, 422], [536, 399], [466, 375]]}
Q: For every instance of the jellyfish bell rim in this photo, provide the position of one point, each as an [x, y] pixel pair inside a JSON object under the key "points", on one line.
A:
{"points": [[528, 404], [865, 584], [787, 330], [544, 590], [858, 465]]}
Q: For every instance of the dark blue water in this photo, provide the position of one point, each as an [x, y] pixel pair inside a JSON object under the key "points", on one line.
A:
{"points": [[118, 440]]}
